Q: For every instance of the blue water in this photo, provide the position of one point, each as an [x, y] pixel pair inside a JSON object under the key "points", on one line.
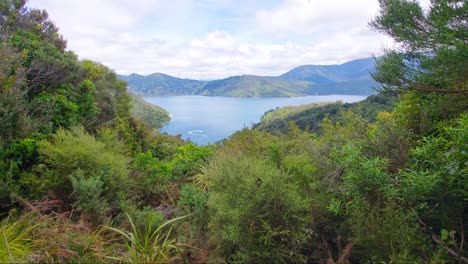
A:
{"points": [[204, 119]]}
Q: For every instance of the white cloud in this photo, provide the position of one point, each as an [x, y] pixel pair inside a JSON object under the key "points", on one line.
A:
{"points": [[308, 17], [220, 55], [130, 36]]}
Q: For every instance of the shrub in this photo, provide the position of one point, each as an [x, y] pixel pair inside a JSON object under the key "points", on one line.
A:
{"points": [[258, 214], [189, 158], [92, 162], [194, 201], [87, 193]]}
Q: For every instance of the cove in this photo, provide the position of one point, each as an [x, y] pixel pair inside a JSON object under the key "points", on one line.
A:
{"points": [[206, 119]]}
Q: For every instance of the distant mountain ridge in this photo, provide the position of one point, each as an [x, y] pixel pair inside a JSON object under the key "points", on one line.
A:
{"points": [[351, 78], [161, 84], [326, 74]]}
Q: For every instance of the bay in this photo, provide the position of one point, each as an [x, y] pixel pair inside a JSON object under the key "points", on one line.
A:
{"points": [[206, 119]]}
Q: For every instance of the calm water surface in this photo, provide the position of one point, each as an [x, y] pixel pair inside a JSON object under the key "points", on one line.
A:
{"points": [[204, 119]]}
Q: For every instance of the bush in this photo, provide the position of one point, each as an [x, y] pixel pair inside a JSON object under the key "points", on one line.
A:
{"points": [[189, 158], [98, 166], [194, 201], [257, 213], [436, 184], [385, 234], [87, 193]]}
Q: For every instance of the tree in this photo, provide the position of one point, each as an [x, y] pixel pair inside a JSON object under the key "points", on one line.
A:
{"points": [[432, 54]]}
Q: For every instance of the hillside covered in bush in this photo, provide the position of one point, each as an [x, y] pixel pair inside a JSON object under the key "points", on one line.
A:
{"points": [[82, 181], [308, 117]]}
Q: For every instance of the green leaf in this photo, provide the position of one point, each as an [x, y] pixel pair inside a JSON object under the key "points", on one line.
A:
{"points": [[444, 234]]}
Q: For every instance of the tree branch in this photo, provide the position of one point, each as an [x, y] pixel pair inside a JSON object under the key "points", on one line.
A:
{"points": [[436, 90], [439, 241]]}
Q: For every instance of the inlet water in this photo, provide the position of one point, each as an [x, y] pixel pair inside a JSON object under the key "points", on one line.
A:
{"points": [[205, 119]]}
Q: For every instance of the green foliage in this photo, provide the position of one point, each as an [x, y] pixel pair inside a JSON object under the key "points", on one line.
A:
{"points": [[364, 178], [15, 158], [388, 140], [16, 242], [276, 120], [381, 230], [369, 185], [164, 147], [390, 211], [421, 112], [88, 197], [157, 182], [146, 161], [153, 116], [189, 158], [153, 245], [385, 234], [38, 237], [349, 126], [309, 117], [141, 216], [154, 178], [194, 201], [257, 211], [93, 162], [436, 183], [434, 53], [46, 87], [87, 101]]}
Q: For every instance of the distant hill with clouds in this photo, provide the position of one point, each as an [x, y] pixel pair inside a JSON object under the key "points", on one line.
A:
{"points": [[351, 78]]}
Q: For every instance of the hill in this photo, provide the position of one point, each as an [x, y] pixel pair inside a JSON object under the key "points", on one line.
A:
{"points": [[308, 117], [352, 77], [349, 78], [255, 86], [152, 115], [161, 84], [327, 74]]}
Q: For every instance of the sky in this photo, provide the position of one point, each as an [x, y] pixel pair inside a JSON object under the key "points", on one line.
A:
{"points": [[213, 39]]}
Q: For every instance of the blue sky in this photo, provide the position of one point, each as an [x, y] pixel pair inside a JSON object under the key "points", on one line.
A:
{"points": [[209, 39]]}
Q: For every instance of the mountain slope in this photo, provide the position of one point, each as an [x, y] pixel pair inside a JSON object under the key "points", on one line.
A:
{"points": [[161, 84], [255, 86], [351, 78], [308, 117], [326, 74], [152, 115]]}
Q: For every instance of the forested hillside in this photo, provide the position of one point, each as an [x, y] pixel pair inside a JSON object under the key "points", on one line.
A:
{"points": [[309, 117], [161, 84], [151, 115], [255, 86], [351, 78], [82, 181]]}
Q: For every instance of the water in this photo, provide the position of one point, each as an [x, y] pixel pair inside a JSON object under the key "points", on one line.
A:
{"points": [[204, 119]]}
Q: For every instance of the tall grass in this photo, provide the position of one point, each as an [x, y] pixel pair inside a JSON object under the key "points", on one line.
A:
{"points": [[15, 241], [151, 244]]}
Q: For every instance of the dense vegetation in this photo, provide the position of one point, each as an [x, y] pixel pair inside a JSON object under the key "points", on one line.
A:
{"points": [[158, 84], [349, 78], [82, 181], [309, 117], [151, 115]]}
